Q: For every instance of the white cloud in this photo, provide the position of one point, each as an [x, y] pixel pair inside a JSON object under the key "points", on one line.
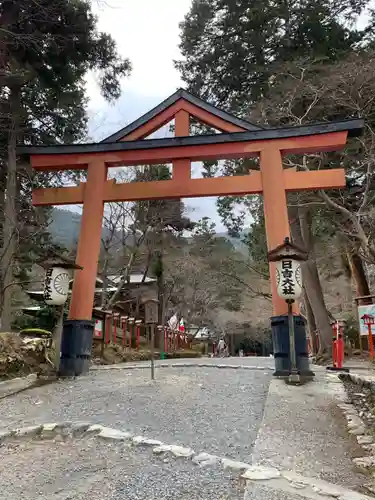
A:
{"points": [[147, 32]]}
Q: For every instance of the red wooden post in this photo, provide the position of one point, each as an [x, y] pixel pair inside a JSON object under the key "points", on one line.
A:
{"points": [[131, 323], [370, 341], [115, 316], [334, 345], [125, 331], [340, 350], [123, 326], [369, 320], [107, 328], [138, 335]]}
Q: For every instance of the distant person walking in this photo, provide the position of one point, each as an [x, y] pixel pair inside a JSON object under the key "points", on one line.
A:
{"points": [[221, 348]]}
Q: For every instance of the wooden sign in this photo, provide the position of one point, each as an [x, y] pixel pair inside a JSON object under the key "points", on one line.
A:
{"points": [[151, 312]]}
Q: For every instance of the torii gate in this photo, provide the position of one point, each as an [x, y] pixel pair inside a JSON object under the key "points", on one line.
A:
{"points": [[239, 139]]}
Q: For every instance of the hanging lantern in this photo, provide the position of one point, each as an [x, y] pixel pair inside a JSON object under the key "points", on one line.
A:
{"points": [[56, 286], [57, 278], [287, 258]]}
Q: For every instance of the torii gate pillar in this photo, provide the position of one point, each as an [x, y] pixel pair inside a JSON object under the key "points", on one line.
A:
{"points": [[275, 214]]}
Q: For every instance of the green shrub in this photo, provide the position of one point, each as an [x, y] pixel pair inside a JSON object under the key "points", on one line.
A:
{"points": [[35, 332], [351, 330], [182, 354], [44, 319]]}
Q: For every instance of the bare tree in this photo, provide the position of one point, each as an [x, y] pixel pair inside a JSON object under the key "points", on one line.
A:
{"points": [[137, 233]]}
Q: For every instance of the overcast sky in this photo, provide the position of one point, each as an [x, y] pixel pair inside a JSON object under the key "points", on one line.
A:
{"points": [[147, 32]]}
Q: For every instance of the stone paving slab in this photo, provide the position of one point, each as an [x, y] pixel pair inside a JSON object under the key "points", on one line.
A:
{"points": [[12, 386], [250, 362], [365, 379], [304, 431]]}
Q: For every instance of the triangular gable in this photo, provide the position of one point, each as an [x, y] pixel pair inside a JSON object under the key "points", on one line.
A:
{"points": [[166, 111]]}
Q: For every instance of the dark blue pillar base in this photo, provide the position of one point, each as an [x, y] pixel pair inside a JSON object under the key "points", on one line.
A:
{"points": [[76, 344], [334, 369], [281, 348]]}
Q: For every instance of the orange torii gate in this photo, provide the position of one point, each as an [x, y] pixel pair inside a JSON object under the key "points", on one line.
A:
{"points": [[239, 139]]}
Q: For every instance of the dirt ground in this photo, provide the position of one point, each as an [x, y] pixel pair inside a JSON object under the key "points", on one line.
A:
{"points": [[113, 354], [18, 359]]}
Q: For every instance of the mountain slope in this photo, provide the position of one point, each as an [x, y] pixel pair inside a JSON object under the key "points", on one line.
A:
{"points": [[64, 227]]}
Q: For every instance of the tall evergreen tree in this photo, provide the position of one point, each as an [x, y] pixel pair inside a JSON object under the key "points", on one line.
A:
{"points": [[47, 47], [230, 48]]}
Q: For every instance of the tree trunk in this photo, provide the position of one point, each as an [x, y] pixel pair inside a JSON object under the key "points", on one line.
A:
{"points": [[311, 325], [2, 207], [359, 277], [9, 246], [161, 287], [302, 235], [104, 275], [312, 283], [56, 336], [125, 277]]}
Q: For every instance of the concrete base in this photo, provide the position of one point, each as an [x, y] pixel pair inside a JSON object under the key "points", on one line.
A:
{"points": [[76, 345], [335, 369]]}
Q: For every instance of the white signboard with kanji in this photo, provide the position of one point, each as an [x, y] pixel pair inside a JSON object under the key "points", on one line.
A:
{"points": [[369, 310], [288, 279], [98, 331]]}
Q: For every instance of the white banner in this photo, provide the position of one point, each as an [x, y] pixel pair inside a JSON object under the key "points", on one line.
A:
{"points": [[173, 322]]}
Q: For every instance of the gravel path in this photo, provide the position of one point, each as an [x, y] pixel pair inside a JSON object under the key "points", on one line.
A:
{"points": [[89, 469], [215, 410]]}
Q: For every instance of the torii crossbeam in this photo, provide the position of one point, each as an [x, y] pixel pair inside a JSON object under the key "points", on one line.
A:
{"points": [[239, 139]]}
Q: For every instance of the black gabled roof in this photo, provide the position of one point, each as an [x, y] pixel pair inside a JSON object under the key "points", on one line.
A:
{"points": [[353, 127], [181, 94], [287, 250]]}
